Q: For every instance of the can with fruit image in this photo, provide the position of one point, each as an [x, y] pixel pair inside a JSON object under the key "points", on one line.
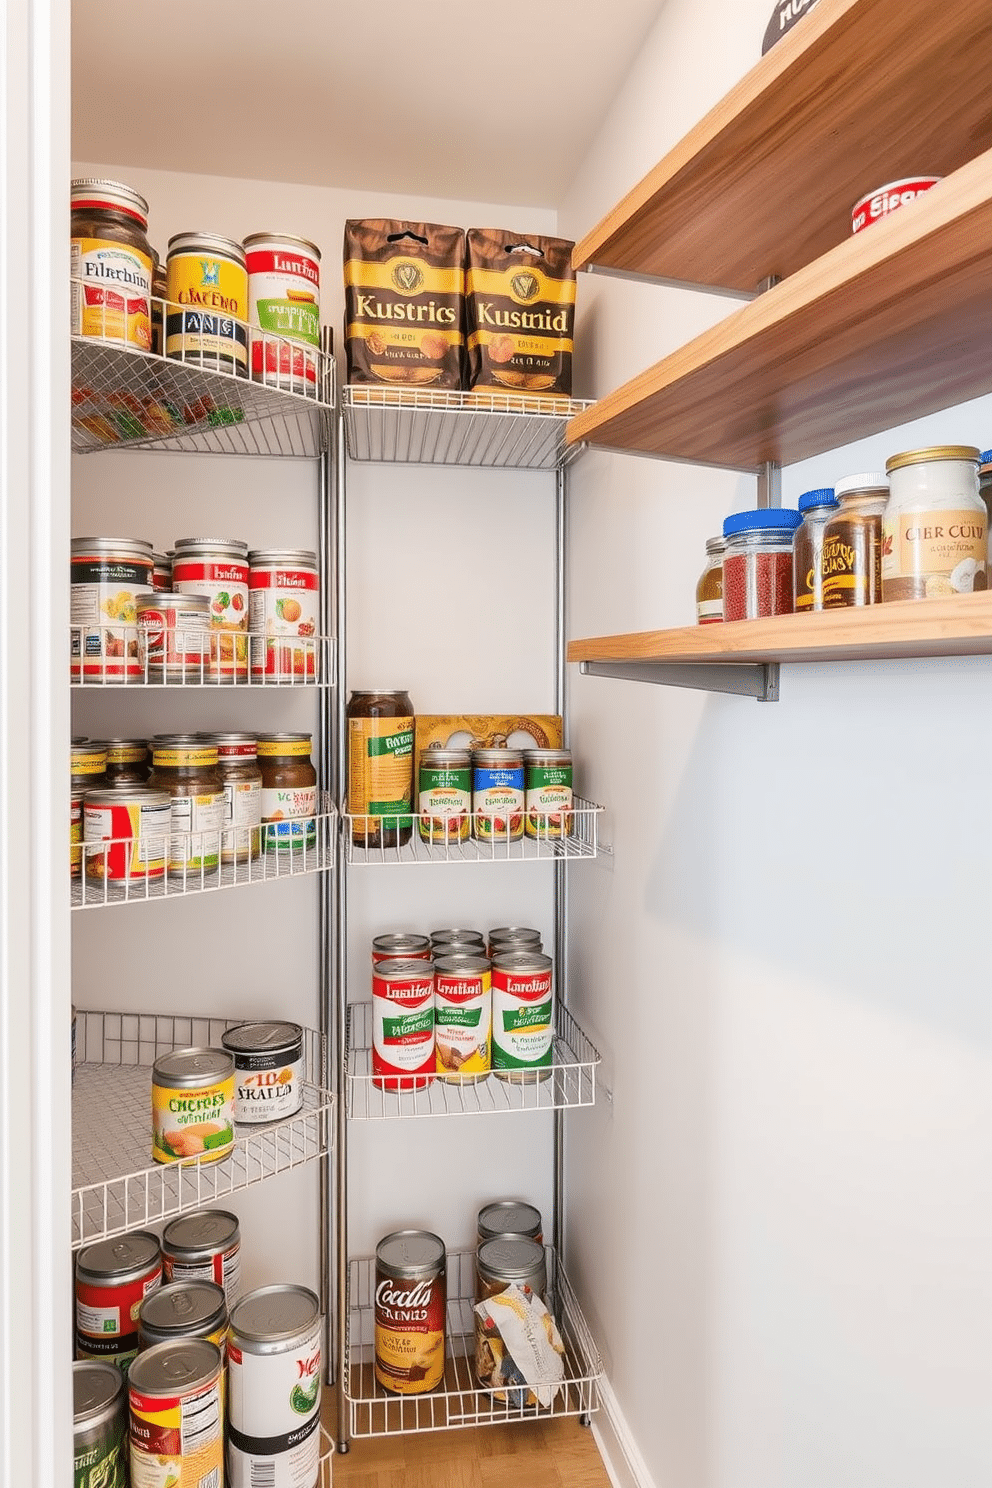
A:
{"points": [[283, 613], [107, 574], [283, 305], [218, 568], [192, 1105], [498, 794], [274, 1359]]}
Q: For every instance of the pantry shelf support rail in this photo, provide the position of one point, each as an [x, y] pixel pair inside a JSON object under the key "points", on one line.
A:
{"points": [[742, 679], [635, 276]]}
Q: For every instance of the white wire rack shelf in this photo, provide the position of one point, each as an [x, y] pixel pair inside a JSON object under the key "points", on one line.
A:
{"points": [[110, 655], [571, 1081], [326, 1459], [93, 889], [116, 1186], [459, 1400], [420, 426], [122, 396], [581, 842]]}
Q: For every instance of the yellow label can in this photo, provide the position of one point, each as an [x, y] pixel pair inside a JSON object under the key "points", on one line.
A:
{"points": [[207, 308], [192, 1105]]}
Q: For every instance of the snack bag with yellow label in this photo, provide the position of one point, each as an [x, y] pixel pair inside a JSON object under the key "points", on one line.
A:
{"points": [[404, 291], [520, 305]]}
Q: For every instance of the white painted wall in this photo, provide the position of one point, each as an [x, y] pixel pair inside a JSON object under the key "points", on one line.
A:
{"points": [[781, 1224]]}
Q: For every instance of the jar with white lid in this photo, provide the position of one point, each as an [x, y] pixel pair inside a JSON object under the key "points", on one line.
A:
{"points": [[935, 528]]}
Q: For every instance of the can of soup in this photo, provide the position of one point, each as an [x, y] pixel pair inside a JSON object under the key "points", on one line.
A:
{"points": [[547, 793], [174, 637], [505, 1217], [410, 1300], [192, 1105], [463, 1015], [99, 1425], [889, 198], [177, 1416], [283, 612], [283, 302], [268, 1070], [184, 1309], [107, 575], [402, 1025], [207, 302], [274, 1358], [126, 832], [523, 1026], [204, 1245], [400, 946], [113, 1277], [217, 567]]}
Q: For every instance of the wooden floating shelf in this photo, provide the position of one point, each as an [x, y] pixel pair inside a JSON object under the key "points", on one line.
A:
{"points": [[861, 92], [888, 326], [936, 627]]}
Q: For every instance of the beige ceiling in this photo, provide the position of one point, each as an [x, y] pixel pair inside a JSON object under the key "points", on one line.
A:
{"points": [[451, 98]]}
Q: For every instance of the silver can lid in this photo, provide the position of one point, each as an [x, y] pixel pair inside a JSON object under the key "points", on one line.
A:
{"points": [[206, 242], [461, 965], [520, 933], [512, 1260], [404, 970], [507, 757], [175, 1368], [229, 545], [138, 795], [401, 941], [201, 1233], [274, 1314], [282, 558], [262, 1038], [522, 960], [183, 1308], [191, 1068], [122, 1259], [164, 599], [97, 1392], [92, 191], [469, 937], [115, 547], [509, 1217], [410, 1254]]}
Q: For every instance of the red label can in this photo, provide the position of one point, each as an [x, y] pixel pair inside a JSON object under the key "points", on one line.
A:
{"points": [[284, 612], [402, 1025], [126, 832], [400, 947], [888, 198], [113, 1277]]}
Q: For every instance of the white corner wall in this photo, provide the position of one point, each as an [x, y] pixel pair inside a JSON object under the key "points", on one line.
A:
{"points": [[780, 1225]]}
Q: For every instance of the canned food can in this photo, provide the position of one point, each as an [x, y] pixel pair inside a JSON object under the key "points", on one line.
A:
{"points": [[523, 1023], [501, 1264], [467, 940], [161, 573], [513, 938], [87, 772], [888, 198], [126, 832], [498, 794], [192, 1105], [402, 1025], [184, 1309], [204, 1245], [217, 567], [400, 946], [112, 264], [99, 1425], [274, 1364], [241, 776], [463, 1016], [505, 1217], [444, 794], [268, 1070], [174, 637], [207, 308], [177, 1416], [283, 301], [107, 576], [289, 793], [283, 612], [547, 793], [113, 1278], [410, 1301]]}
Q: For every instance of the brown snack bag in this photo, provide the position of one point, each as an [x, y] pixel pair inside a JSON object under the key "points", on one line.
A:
{"points": [[520, 306], [404, 287]]}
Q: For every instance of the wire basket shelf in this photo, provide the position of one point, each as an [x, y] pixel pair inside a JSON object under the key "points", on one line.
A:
{"points": [[310, 849], [582, 841], [571, 1080], [195, 401], [115, 1185], [459, 1400], [115, 655], [420, 426]]}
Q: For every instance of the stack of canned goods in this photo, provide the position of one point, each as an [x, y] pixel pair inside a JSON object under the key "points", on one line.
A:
{"points": [[498, 795], [177, 1371], [453, 1006]]}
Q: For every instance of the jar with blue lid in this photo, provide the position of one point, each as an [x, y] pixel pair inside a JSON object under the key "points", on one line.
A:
{"points": [[815, 508], [757, 564]]}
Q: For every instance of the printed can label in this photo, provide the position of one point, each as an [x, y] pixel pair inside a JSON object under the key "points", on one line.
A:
{"points": [[283, 603], [223, 1268], [403, 1031], [274, 1415], [498, 802], [462, 1023], [380, 773], [267, 1087], [107, 1317], [226, 586], [549, 801], [193, 1121], [409, 1333], [197, 823], [173, 638], [112, 303], [522, 1020], [933, 554], [210, 328], [178, 1439], [103, 611], [137, 838], [241, 836], [289, 818], [101, 1465], [283, 301], [444, 803]]}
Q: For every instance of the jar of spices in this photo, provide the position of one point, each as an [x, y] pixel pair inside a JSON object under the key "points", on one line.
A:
{"points": [[241, 775], [289, 793], [757, 564], [110, 263], [498, 794], [380, 768], [935, 526], [186, 767], [127, 761], [851, 555], [816, 509], [87, 771], [709, 590]]}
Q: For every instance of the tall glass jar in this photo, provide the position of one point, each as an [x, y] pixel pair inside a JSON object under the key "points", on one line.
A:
{"points": [[851, 555], [380, 768], [935, 527], [289, 793], [186, 767], [757, 565], [241, 775], [816, 508], [709, 590], [111, 262]]}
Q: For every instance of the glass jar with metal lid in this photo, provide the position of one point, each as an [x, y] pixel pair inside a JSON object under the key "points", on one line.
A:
{"points": [[187, 768], [99, 1424], [380, 767], [192, 1105], [127, 761], [110, 263], [207, 311], [268, 1070], [289, 793], [510, 1217], [497, 794], [283, 613], [935, 525], [87, 771], [444, 795], [709, 590], [183, 1309], [548, 793], [241, 776], [113, 1277], [217, 567], [410, 1301], [204, 1245]]}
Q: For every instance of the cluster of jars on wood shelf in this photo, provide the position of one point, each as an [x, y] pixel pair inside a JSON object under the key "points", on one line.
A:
{"points": [[917, 531]]}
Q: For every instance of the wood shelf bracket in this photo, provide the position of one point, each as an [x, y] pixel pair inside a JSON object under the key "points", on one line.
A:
{"points": [[759, 680]]}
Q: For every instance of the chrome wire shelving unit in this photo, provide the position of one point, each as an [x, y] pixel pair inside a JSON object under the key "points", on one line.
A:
{"points": [[95, 888], [424, 426], [581, 841], [460, 1401], [570, 1081], [116, 1185], [112, 654]]}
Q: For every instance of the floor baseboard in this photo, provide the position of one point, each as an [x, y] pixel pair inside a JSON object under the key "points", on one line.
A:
{"points": [[621, 1458]]}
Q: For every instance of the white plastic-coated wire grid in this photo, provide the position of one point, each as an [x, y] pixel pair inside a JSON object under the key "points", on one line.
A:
{"points": [[116, 1184], [418, 426], [326, 1458], [124, 396], [309, 850], [114, 655], [582, 841], [571, 1080], [459, 1400]]}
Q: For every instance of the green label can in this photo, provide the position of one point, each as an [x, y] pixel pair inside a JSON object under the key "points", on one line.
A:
{"points": [[445, 794], [523, 1017], [547, 792], [99, 1417]]}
